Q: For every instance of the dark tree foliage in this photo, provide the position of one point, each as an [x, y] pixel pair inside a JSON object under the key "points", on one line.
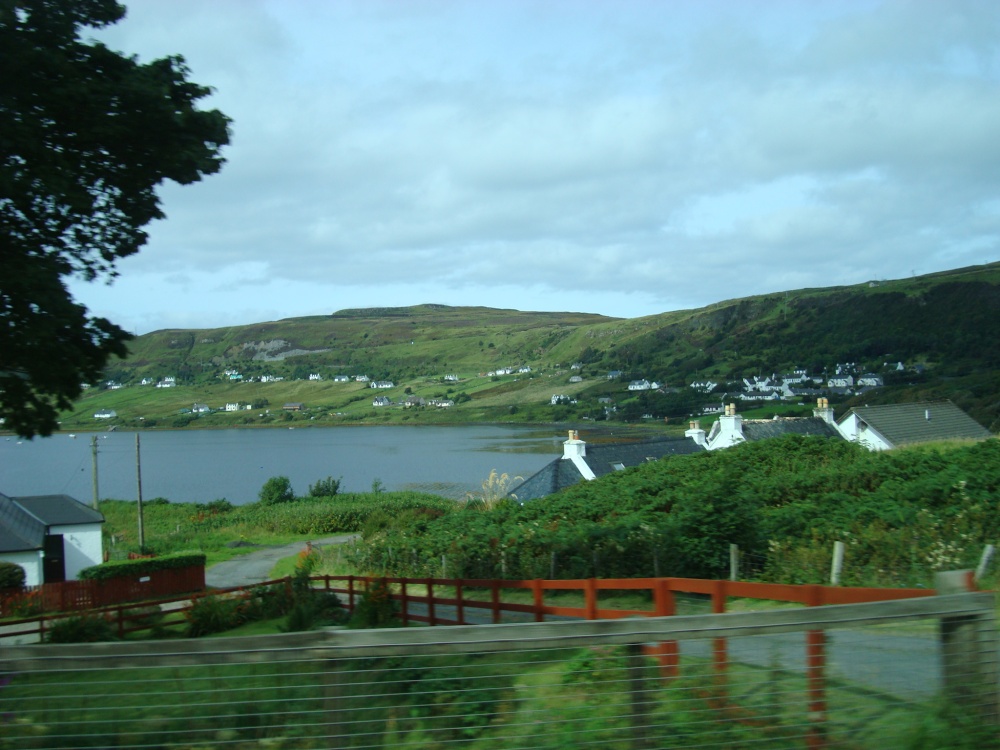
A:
{"points": [[86, 136]]}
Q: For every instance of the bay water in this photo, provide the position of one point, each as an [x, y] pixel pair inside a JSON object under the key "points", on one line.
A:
{"points": [[205, 465]]}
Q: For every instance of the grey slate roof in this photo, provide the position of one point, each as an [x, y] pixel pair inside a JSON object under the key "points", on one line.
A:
{"points": [[761, 429], [919, 422], [601, 459], [25, 520], [19, 532], [59, 510]]}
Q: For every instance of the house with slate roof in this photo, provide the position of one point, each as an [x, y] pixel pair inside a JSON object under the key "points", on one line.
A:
{"points": [[732, 429], [585, 462], [53, 537], [891, 425]]}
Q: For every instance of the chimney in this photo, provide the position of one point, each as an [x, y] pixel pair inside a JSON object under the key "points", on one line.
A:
{"points": [[575, 450], [823, 411], [574, 446], [730, 429], [695, 432]]}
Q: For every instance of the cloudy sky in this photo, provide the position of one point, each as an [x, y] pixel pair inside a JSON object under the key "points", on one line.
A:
{"points": [[625, 158]]}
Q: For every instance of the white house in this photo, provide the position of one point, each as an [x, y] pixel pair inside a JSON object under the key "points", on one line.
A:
{"points": [[870, 380], [315, 376], [381, 401], [341, 378], [382, 384], [642, 385], [889, 425], [105, 414], [232, 407], [840, 381], [53, 537]]}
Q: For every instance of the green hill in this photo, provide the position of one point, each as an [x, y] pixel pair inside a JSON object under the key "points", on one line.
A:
{"points": [[942, 327]]}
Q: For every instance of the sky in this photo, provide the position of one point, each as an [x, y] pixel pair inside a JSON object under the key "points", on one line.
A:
{"points": [[624, 158]]}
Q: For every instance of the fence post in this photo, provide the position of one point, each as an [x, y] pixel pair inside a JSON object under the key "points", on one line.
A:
{"points": [[640, 696], [816, 675], [984, 561], [734, 562], [495, 600], [590, 598], [404, 604], [460, 603], [431, 618], [838, 563], [536, 591], [969, 652], [665, 606], [720, 647], [350, 594]]}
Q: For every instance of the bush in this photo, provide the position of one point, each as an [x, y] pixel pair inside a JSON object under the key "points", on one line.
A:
{"points": [[325, 487], [82, 629], [376, 608], [213, 614], [11, 576], [276, 490]]}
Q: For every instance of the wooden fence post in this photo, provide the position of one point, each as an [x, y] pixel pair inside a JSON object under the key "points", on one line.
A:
{"points": [[641, 700], [665, 606], [536, 591], [969, 652], [460, 603], [816, 675], [495, 600], [590, 598]]}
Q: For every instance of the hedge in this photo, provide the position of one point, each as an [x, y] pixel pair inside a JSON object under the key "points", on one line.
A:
{"points": [[141, 567]]}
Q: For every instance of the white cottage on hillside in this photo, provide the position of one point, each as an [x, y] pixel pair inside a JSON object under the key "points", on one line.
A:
{"points": [[53, 537]]}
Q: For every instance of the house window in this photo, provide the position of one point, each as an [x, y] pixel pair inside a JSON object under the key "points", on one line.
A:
{"points": [[618, 466]]}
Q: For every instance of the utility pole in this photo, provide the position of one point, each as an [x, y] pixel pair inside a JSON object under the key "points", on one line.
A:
{"points": [[93, 450], [138, 477]]}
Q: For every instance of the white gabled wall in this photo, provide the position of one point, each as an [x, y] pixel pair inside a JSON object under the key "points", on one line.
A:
{"points": [[82, 547]]}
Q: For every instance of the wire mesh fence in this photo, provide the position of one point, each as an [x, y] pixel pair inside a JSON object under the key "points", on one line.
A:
{"points": [[888, 674]]}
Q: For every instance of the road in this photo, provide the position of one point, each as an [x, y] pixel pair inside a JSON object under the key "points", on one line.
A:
{"points": [[256, 566]]}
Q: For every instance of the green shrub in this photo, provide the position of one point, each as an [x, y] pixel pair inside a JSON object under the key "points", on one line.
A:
{"points": [[11, 576], [213, 614], [376, 608], [81, 629], [276, 490], [325, 487]]}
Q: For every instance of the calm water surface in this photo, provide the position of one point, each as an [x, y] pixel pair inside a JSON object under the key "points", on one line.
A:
{"points": [[203, 465]]}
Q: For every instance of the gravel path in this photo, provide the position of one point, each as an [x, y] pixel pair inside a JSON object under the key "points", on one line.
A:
{"points": [[256, 566]]}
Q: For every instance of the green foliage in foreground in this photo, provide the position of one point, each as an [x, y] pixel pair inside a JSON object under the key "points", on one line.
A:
{"points": [[903, 515]]}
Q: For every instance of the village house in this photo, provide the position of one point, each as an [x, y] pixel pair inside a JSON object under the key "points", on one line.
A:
{"points": [[582, 462], [293, 406], [891, 425], [643, 385], [105, 414], [382, 401], [315, 376], [53, 537], [382, 384]]}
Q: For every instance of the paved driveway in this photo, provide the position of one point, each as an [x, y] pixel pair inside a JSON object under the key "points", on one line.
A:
{"points": [[256, 566]]}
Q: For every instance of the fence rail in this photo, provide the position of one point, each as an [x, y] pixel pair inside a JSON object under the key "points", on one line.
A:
{"points": [[531, 685], [462, 597], [73, 596]]}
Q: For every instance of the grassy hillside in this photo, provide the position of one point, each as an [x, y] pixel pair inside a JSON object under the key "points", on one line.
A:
{"points": [[943, 327]]}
